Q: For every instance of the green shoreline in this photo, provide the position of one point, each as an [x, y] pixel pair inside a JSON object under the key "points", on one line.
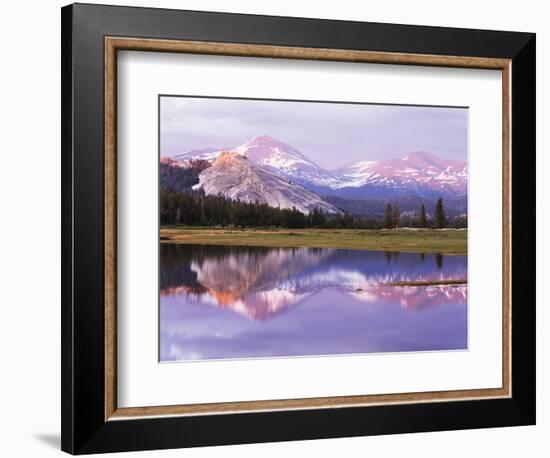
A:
{"points": [[443, 241]]}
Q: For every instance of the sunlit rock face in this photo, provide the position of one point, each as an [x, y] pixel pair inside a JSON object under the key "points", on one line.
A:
{"points": [[237, 178]]}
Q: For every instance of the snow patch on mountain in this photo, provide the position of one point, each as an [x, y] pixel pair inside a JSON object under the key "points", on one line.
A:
{"points": [[280, 158], [416, 173]]}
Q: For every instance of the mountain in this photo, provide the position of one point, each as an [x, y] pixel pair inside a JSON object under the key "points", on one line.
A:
{"points": [[236, 177], [273, 155], [285, 160], [419, 173]]}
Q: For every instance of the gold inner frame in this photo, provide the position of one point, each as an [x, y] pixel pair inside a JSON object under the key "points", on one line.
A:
{"points": [[114, 44]]}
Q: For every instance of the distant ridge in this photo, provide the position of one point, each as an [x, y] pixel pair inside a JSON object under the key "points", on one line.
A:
{"points": [[417, 173]]}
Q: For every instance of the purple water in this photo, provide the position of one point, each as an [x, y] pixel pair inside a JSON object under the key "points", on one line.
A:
{"points": [[220, 302]]}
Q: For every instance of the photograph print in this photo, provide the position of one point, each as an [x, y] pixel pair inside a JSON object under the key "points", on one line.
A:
{"points": [[310, 228]]}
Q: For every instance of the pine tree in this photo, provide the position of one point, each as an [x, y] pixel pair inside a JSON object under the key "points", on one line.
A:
{"points": [[322, 219], [440, 219], [396, 215], [422, 222], [347, 221], [388, 217]]}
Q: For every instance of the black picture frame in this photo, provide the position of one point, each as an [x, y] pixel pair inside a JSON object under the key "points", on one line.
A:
{"points": [[84, 428]]}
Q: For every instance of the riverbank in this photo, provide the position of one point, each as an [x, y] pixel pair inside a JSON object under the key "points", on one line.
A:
{"points": [[444, 241]]}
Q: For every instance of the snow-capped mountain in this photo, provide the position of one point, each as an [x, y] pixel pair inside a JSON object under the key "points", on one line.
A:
{"points": [[237, 177], [415, 174], [274, 155]]}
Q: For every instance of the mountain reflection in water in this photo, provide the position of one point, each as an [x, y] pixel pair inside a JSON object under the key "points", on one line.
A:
{"points": [[220, 302]]}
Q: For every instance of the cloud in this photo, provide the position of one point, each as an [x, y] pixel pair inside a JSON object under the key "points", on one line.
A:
{"points": [[331, 134]]}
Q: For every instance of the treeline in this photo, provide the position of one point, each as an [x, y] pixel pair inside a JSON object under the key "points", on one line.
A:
{"points": [[195, 208], [181, 178], [393, 218], [409, 206]]}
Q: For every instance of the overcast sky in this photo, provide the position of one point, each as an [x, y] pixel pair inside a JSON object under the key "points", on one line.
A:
{"points": [[330, 134]]}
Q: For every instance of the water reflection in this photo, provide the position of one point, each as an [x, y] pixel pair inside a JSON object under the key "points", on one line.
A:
{"points": [[238, 302]]}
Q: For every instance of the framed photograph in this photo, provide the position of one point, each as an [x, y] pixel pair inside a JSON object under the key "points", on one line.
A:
{"points": [[281, 228]]}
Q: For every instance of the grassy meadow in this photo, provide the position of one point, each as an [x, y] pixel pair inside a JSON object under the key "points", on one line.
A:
{"points": [[444, 241]]}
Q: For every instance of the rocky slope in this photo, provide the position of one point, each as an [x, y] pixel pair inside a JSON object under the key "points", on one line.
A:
{"points": [[236, 177]]}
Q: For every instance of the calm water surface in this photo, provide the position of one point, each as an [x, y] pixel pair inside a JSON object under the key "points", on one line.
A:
{"points": [[221, 302]]}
